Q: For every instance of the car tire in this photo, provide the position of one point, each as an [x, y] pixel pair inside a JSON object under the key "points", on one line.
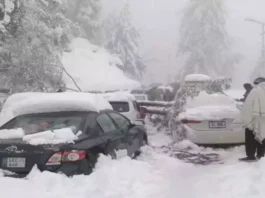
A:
{"points": [[110, 151], [143, 142]]}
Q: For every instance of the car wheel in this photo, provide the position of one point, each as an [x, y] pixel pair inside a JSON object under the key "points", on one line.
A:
{"points": [[110, 151], [113, 154], [143, 142]]}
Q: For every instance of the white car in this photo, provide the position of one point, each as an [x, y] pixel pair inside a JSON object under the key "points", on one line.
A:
{"points": [[211, 119], [124, 103], [214, 121]]}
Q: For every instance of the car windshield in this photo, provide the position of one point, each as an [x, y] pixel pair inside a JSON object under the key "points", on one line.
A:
{"points": [[44, 122], [120, 106]]}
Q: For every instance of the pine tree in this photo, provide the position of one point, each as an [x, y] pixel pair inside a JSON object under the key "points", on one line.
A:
{"points": [[122, 38], [36, 36], [87, 14], [204, 40]]}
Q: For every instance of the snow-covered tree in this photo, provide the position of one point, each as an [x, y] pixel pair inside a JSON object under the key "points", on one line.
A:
{"points": [[122, 38], [204, 40], [87, 14], [36, 35]]}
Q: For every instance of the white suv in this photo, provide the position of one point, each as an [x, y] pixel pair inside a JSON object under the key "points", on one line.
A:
{"points": [[124, 103]]}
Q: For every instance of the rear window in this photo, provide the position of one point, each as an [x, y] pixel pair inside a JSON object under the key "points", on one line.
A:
{"points": [[120, 106], [45, 122]]}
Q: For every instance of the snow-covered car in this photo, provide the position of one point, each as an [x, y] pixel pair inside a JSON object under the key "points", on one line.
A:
{"points": [[63, 132], [126, 104], [213, 119]]}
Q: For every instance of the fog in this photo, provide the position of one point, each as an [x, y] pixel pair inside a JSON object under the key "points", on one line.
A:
{"points": [[158, 22]]}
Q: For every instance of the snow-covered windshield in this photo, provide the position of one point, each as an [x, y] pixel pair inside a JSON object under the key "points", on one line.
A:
{"points": [[36, 123]]}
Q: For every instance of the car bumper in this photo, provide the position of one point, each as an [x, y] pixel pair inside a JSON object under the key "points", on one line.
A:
{"points": [[217, 137]]}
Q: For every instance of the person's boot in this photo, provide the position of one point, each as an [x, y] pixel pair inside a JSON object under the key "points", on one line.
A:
{"points": [[248, 159]]}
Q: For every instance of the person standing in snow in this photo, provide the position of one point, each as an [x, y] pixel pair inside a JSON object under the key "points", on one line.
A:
{"points": [[248, 87], [253, 117]]}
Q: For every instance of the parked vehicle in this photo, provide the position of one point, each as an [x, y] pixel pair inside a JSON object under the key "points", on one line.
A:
{"points": [[210, 116], [214, 123], [65, 132], [126, 104]]}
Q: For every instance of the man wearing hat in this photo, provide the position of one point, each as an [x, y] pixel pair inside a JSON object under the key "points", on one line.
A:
{"points": [[253, 117]]}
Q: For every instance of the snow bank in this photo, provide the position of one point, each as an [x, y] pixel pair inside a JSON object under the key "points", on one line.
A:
{"points": [[197, 77], [110, 179], [29, 103], [94, 69], [210, 107], [58, 136]]}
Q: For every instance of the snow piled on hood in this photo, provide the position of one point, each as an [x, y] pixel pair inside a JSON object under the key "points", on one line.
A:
{"points": [[210, 107], [94, 69]]}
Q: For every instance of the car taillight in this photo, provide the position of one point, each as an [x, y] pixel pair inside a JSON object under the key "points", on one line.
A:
{"points": [[69, 156], [190, 122]]}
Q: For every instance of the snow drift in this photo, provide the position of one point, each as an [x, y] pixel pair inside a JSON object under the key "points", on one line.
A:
{"points": [[94, 69]]}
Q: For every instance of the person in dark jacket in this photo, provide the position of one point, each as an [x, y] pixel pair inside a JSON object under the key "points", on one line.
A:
{"points": [[248, 87], [252, 146]]}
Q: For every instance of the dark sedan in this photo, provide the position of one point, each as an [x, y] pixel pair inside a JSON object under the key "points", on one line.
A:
{"points": [[98, 133]]}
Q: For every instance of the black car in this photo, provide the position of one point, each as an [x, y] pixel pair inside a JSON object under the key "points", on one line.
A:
{"points": [[102, 133]]}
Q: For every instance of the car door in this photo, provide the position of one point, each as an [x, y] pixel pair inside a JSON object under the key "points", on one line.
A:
{"points": [[131, 134], [113, 136]]}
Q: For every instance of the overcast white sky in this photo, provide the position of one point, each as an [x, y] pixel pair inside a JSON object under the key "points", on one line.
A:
{"points": [[158, 23]]}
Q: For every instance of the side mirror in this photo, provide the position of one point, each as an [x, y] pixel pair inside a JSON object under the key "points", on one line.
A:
{"points": [[138, 122]]}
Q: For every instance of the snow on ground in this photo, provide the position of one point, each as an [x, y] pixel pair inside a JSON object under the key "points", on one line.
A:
{"points": [[154, 175], [85, 58]]}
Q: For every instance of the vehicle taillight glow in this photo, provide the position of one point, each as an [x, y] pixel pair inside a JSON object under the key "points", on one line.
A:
{"points": [[73, 156], [55, 159], [190, 122], [69, 156]]}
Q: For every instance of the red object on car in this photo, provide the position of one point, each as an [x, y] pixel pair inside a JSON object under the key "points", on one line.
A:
{"points": [[142, 113]]}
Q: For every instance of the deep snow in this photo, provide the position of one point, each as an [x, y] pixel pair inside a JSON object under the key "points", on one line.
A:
{"points": [[94, 69], [155, 174]]}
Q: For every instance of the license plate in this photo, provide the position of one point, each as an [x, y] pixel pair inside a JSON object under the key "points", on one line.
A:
{"points": [[217, 124], [15, 162]]}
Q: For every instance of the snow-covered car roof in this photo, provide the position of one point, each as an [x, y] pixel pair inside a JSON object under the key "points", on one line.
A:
{"points": [[119, 96], [31, 103]]}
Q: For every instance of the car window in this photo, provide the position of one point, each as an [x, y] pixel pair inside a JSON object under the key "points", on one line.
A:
{"points": [[91, 122], [136, 106], [121, 107], [106, 123], [36, 123], [122, 122]]}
